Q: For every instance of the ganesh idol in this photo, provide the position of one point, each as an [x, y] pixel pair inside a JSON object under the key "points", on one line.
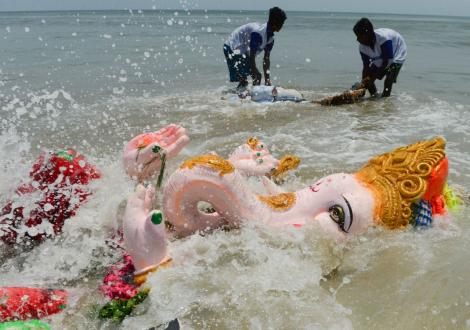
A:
{"points": [[396, 190]]}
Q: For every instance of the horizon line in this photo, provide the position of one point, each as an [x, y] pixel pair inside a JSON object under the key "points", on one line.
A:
{"points": [[236, 10]]}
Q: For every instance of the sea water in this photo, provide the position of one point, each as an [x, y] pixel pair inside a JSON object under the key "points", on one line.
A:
{"points": [[91, 80]]}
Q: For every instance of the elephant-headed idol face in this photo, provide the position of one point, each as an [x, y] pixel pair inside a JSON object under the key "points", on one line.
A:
{"points": [[383, 192], [342, 205]]}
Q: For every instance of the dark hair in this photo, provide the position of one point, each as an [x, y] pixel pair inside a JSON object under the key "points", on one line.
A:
{"points": [[277, 15], [364, 27]]}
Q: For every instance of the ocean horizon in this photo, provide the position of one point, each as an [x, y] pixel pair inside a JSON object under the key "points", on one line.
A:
{"points": [[229, 10]]}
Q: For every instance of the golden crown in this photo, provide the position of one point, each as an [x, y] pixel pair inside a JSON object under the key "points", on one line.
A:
{"points": [[399, 178]]}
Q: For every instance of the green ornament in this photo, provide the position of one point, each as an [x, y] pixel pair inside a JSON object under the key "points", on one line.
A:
{"points": [[258, 154], [118, 309], [64, 155], [157, 218], [25, 325], [156, 149]]}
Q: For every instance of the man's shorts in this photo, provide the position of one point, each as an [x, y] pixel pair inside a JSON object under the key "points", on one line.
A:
{"points": [[238, 64], [392, 71]]}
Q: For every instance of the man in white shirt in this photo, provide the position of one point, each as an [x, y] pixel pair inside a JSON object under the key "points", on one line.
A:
{"points": [[383, 52], [246, 42]]}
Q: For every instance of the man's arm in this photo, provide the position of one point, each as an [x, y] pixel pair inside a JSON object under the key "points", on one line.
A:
{"points": [[266, 65], [255, 74], [255, 42], [371, 72], [365, 65], [387, 57], [368, 75]]}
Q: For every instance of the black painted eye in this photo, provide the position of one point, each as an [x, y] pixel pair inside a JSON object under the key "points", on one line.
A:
{"points": [[338, 215]]}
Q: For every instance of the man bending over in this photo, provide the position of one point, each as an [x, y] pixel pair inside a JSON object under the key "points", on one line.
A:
{"points": [[246, 42], [383, 52]]}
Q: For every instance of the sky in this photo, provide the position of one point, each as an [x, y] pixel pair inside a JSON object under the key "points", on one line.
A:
{"points": [[425, 7]]}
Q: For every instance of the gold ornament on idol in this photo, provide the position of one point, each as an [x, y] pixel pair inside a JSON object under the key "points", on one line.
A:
{"points": [[399, 178], [252, 143], [213, 161], [141, 278], [280, 202], [286, 163]]}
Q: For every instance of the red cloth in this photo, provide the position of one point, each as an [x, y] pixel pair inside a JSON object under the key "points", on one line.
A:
{"points": [[30, 303], [57, 187]]}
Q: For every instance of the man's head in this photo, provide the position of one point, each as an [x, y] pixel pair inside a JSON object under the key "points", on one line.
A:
{"points": [[277, 16], [364, 31]]}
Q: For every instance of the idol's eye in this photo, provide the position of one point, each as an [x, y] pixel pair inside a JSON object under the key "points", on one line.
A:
{"points": [[342, 218], [337, 215]]}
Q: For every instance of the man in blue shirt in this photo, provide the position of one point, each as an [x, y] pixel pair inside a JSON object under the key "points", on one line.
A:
{"points": [[246, 42], [383, 52]]}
